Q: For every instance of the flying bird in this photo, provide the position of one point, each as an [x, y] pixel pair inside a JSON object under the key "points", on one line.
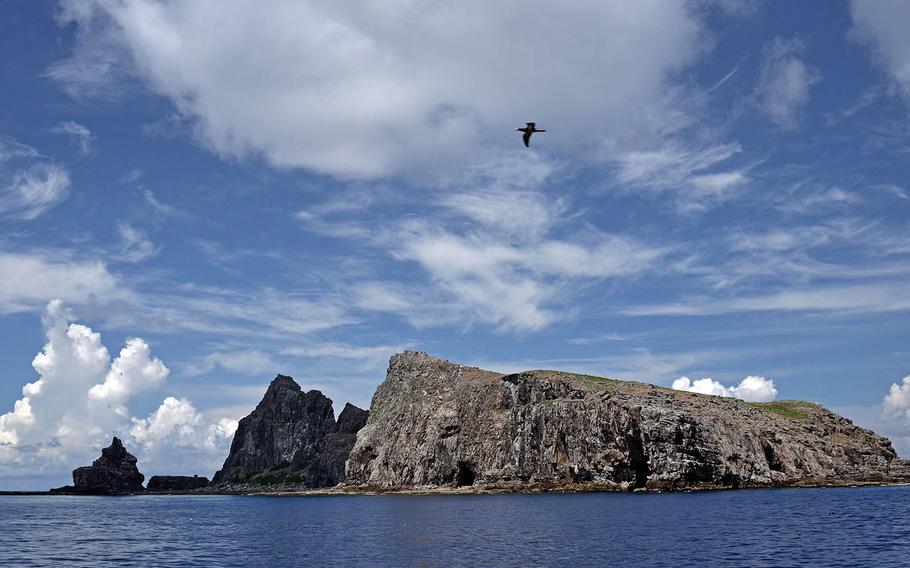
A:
{"points": [[528, 130]]}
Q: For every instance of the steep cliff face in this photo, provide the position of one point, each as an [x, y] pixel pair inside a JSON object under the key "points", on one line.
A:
{"points": [[435, 423], [290, 439]]}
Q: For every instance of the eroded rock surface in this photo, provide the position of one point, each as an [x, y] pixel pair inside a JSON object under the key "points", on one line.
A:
{"points": [[115, 472], [340, 442], [291, 439], [433, 423]]}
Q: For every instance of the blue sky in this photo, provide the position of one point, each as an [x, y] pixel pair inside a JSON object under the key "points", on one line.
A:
{"points": [[197, 196]]}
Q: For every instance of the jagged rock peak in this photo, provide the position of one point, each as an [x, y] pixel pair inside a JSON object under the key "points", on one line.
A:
{"points": [[281, 382], [290, 439], [351, 419]]}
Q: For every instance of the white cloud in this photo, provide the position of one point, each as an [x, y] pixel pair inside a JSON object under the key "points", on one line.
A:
{"points": [[750, 389], [30, 184], [785, 81], [177, 430], [367, 88], [249, 362], [42, 276], [371, 356], [517, 285], [79, 134], [502, 252], [882, 24], [80, 400], [163, 209], [132, 372], [383, 297], [134, 244], [33, 190], [263, 312], [873, 297], [897, 402], [693, 178]]}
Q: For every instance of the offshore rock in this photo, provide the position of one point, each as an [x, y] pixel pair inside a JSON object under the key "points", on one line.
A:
{"points": [[290, 439], [177, 483], [115, 472], [437, 424]]}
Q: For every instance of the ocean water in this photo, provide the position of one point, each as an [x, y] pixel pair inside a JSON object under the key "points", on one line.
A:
{"points": [[778, 527]]}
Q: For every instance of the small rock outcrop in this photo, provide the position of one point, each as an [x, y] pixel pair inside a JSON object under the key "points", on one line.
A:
{"points": [[436, 424], [115, 472], [177, 483], [291, 439]]}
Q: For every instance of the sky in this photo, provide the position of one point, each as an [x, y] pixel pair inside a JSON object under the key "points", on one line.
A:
{"points": [[197, 196]]}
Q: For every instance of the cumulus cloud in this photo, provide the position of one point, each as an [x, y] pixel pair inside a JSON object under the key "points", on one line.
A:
{"points": [[881, 24], [81, 136], [177, 424], [132, 372], [897, 402], [785, 82], [368, 89], [751, 389], [80, 400]]}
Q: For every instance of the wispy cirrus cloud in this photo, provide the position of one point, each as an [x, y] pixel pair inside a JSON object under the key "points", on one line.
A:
{"points": [[135, 245], [245, 361], [693, 179], [30, 183], [839, 299], [80, 135]]}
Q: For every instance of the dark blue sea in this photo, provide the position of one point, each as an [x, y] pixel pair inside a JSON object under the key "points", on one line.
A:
{"points": [[782, 527]]}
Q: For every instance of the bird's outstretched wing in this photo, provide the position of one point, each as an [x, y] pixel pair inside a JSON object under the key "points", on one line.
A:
{"points": [[527, 138]]}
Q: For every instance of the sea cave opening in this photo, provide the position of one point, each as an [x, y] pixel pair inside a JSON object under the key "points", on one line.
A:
{"points": [[465, 475]]}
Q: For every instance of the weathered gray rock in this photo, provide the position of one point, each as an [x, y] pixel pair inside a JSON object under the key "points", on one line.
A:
{"points": [[115, 472], [177, 483], [433, 423], [290, 439], [340, 442]]}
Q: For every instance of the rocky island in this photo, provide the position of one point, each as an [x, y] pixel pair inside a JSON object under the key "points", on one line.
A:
{"points": [[437, 426]]}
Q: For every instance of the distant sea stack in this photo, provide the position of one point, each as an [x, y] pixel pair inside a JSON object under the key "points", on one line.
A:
{"points": [[436, 424], [291, 439], [115, 472]]}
